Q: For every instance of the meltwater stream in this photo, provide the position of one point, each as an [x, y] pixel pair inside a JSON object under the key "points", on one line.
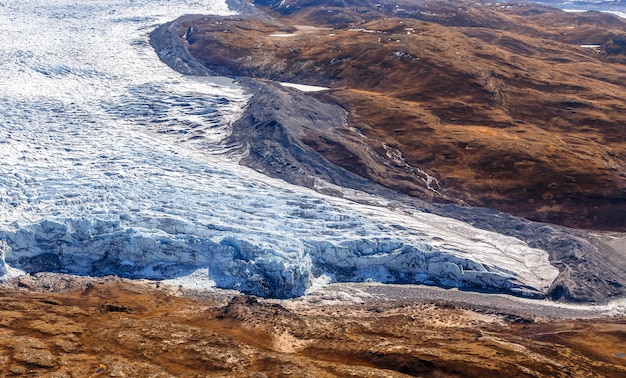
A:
{"points": [[110, 163]]}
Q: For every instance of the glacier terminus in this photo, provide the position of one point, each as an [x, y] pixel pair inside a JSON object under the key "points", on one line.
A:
{"points": [[113, 163]]}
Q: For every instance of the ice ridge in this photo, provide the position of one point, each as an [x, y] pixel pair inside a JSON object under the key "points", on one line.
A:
{"points": [[168, 248]]}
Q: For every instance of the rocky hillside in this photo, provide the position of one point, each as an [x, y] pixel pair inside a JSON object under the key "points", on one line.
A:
{"points": [[517, 107], [112, 328]]}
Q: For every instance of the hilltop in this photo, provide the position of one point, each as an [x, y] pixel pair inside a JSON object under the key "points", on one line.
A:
{"points": [[517, 107]]}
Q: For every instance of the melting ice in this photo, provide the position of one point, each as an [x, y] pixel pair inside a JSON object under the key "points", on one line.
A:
{"points": [[111, 164]]}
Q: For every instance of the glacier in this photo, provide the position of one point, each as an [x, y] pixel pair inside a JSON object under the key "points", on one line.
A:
{"points": [[112, 163]]}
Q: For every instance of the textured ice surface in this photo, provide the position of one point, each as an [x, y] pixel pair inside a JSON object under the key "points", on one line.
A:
{"points": [[111, 165]]}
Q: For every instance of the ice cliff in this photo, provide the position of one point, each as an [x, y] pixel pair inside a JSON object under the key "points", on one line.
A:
{"points": [[262, 265]]}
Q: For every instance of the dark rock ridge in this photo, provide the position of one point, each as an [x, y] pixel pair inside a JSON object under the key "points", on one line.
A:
{"points": [[276, 132], [172, 52]]}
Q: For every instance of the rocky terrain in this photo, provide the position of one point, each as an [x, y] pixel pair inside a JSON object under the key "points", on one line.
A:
{"points": [[517, 107], [80, 327]]}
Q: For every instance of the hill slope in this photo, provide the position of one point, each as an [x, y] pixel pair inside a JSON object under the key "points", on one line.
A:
{"points": [[112, 328], [502, 106]]}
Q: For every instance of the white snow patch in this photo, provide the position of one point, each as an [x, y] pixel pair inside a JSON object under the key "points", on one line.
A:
{"points": [[619, 14], [616, 13], [305, 88], [361, 30]]}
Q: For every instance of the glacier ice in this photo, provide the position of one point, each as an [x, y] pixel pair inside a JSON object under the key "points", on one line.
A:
{"points": [[279, 254], [112, 164]]}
